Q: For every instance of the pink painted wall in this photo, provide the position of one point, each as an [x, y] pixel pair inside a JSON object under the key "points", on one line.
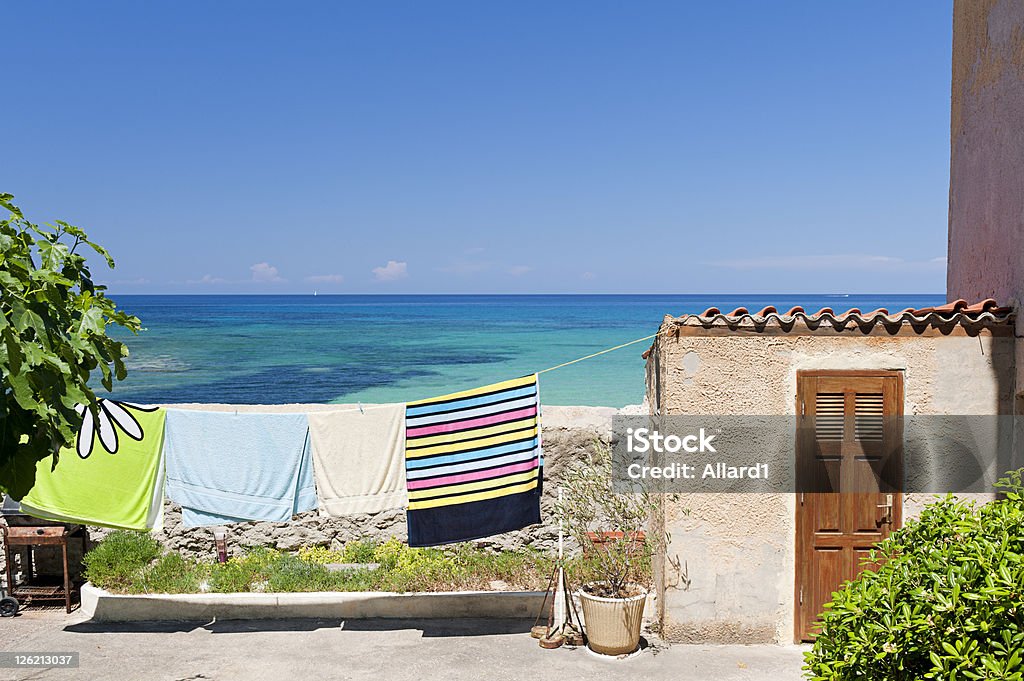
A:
{"points": [[986, 184], [986, 195]]}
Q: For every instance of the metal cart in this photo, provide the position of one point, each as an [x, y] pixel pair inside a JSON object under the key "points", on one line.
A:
{"points": [[22, 531]]}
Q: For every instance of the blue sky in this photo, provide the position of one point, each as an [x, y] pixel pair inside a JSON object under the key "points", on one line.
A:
{"points": [[527, 147]]}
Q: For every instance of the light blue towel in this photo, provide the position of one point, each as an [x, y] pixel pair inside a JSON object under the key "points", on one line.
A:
{"points": [[225, 467]]}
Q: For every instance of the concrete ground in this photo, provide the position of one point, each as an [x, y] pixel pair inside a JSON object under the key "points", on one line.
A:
{"points": [[381, 650]]}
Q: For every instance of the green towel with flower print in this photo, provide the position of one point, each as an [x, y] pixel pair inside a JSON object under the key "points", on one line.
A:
{"points": [[112, 477]]}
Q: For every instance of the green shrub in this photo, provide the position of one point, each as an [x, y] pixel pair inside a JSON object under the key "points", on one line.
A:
{"points": [[945, 603], [356, 580], [359, 552], [522, 570], [414, 569], [353, 552], [291, 573], [241, 573], [388, 553], [321, 555], [593, 504], [457, 567], [170, 574], [117, 560], [454, 568], [591, 567]]}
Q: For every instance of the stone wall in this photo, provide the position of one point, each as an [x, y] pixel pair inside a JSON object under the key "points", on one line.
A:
{"points": [[567, 432]]}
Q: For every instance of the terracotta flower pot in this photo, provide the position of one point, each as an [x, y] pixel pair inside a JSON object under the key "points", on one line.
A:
{"points": [[613, 624]]}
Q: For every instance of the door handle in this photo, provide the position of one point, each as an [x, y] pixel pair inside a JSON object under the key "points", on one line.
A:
{"points": [[887, 508]]}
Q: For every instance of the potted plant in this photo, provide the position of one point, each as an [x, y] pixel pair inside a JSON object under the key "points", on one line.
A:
{"points": [[609, 526]]}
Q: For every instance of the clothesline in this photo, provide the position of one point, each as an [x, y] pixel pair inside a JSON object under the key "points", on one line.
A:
{"points": [[601, 352], [465, 465], [542, 371]]}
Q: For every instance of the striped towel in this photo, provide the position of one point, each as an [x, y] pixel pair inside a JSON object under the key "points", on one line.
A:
{"points": [[473, 462]]}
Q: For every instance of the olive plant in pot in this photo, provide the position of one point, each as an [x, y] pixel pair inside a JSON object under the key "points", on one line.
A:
{"points": [[610, 527]]}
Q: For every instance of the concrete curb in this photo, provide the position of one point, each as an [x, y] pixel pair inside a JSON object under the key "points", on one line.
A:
{"points": [[102, 606]]}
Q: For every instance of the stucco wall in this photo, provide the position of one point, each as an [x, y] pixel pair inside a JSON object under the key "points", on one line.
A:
{"points": [[986, 194], [738, 550], [986, 199]]}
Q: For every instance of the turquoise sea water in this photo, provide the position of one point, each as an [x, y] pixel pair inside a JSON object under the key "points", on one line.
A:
{"points": [[280, 349]]}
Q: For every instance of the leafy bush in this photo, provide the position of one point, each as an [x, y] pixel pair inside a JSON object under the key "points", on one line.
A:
{"points": [[321, 555], [590, 567], [294, 574], [170, 574], [457, 567], [353, 552], [946, 601], [390, 553], [241, 573], [521, 570], [354, 580], [411, 569], [53, 336], [359, 552], [118, 558], [621, 562]]}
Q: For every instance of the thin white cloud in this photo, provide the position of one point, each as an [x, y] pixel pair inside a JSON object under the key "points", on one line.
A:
{"points": [[265, 273], [140, 281], [827, 262], [325, 279], [588, 276], [392, 271], [464, 268], [207, 279]]}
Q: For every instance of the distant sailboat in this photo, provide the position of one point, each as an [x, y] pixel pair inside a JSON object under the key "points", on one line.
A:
{"points": [[314, 293]]}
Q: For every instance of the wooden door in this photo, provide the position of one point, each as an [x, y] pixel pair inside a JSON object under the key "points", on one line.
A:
{"points": [[849, 469]]}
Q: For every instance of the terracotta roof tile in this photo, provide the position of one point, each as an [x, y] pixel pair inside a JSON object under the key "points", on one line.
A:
{"points": [[984, 306], [982, 313]]}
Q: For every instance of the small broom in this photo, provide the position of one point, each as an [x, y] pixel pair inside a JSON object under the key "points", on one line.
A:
{"points": [[560, 628]]}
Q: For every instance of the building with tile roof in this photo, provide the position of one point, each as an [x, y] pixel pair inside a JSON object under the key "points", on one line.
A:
{"points": [[760, 566]]}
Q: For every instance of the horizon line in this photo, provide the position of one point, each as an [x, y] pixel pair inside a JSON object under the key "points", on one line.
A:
{"points": [[570, 293]]}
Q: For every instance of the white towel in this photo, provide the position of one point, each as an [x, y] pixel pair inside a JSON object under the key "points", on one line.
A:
{"points": [[359, 459]]}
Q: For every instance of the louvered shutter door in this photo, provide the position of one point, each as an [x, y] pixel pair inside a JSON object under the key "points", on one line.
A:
{"points": [[848, 456]]}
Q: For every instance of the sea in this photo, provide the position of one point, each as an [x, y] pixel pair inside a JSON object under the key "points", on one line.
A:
{"points": [[279, 349]]}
